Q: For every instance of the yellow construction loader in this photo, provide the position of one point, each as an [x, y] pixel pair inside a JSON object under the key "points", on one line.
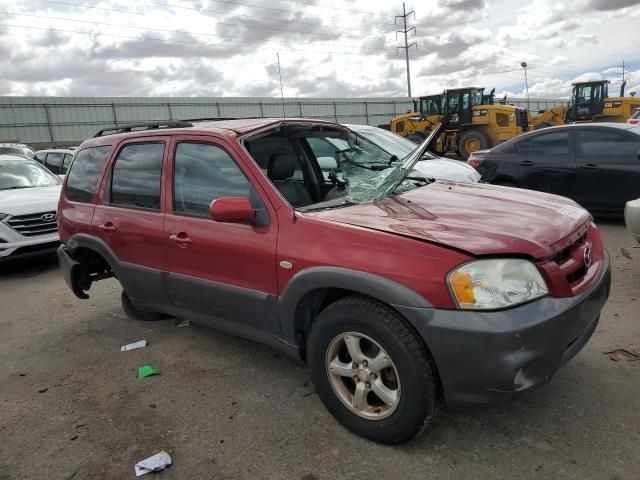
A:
{"points": [[590, 102], [475, 122]]}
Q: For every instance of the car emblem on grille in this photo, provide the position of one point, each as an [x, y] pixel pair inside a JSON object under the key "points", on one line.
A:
{"points": [[48, 217], [587, 255]]}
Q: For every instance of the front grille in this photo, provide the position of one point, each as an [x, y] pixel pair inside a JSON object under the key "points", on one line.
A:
{"points": [[571, 262], [34, 224]]}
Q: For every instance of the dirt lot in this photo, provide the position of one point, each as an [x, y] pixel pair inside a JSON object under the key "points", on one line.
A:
{"points": [[72, 407]]}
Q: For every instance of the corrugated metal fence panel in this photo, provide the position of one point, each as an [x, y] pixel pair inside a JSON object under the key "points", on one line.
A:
{"points": [[72, 119]]}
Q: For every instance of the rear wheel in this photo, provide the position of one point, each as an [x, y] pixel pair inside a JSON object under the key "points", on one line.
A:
{"points": [[371, 371], [472, 142], [134, 312]]}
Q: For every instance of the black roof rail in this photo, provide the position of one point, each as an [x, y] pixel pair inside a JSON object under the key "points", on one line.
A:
{"points": [[142, 126], [210, 119]]}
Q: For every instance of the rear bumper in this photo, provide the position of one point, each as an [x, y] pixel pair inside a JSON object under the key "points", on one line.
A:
{"points": [[70, 269], [487, 357]]}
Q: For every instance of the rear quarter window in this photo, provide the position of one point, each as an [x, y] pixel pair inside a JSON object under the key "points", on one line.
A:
{"points": [[85, 171]]}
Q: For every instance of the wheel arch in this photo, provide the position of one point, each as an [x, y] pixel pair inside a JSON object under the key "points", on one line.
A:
{"points": [[311, 290]]}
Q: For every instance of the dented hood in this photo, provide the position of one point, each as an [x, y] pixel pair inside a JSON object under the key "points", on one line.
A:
{"points": [[479, 219]]}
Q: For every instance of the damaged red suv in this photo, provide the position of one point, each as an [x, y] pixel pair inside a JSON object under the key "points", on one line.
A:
{"points": [[401, 293]]}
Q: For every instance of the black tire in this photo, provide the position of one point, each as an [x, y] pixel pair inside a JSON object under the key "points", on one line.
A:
{"points": [[416, 138], [483, 141], [420, 389], [133, 312]]}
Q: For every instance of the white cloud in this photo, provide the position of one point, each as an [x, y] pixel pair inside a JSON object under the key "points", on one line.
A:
{"points": [[211, 48]]}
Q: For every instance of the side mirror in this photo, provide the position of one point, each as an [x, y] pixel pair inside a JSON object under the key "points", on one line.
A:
{"points": [[232, 210], [327, 163]]}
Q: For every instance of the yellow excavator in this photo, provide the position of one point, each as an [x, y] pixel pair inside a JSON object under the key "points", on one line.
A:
{"points": [[590, 102], [475, 121]]}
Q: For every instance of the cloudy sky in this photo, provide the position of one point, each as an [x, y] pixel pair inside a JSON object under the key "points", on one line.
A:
{"points": [[327, 48]]}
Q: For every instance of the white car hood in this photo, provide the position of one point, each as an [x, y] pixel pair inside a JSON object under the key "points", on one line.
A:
{"points": [[446, 169], [24, 201]]}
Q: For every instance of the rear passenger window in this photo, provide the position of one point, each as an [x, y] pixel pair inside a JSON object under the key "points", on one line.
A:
{"points": [[550, 144], [54, 162], [523, 147], [65, 165], [85, 171], [202, 173], [135, 181], [609, 147]]}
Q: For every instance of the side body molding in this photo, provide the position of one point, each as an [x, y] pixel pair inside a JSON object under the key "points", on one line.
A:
{"points": [[315, 278]]}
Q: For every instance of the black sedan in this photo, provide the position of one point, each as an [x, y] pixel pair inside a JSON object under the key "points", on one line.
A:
{"points": [[595, 164]]}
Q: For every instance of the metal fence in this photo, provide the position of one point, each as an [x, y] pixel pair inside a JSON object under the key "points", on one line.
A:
{"points": [[56, 120]]}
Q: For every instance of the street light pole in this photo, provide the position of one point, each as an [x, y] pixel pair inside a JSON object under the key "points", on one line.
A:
{"points": [[526, 82]]}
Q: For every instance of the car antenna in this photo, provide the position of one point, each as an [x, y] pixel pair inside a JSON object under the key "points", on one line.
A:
{"points": [[284, 115]]}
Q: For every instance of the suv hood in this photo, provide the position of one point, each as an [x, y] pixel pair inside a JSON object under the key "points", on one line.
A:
{"points": [[24, 201], [476, 218]]}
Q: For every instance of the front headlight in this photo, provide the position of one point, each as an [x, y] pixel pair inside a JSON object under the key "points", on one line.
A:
{"points": [[495, 283], [3, 216]]}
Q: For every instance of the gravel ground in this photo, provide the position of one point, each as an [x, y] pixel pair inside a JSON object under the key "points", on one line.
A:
{"points": [[225, 408]]}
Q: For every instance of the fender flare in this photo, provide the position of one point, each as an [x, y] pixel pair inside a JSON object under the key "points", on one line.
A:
{"points": [[314, 278], [83, 240]]}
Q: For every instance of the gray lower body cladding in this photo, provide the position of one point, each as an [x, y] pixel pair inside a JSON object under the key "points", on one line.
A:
{"points": [[487, 357]]}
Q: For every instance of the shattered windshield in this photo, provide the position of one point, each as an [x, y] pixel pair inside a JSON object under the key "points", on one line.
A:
{"points": [[354, 169]]}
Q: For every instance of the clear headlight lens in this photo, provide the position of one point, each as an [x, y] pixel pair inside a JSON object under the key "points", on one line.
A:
{"points": [[3, 216], [496, 283]]}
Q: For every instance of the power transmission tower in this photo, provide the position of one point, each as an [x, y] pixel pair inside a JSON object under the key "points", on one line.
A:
{"points": [[407, 45]]}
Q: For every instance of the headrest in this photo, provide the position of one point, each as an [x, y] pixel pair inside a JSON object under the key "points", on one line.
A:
{"points": [[281, 166]]}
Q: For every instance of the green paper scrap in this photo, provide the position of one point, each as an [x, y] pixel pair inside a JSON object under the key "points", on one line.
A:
{"points": [[147, 371]]}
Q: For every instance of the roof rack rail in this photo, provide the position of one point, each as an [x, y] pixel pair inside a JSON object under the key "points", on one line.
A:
{"points": [[210, 119], [141, 126]]}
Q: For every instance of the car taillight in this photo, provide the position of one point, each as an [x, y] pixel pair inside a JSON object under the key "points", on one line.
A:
{"points": [[475, 160], [634, 121]]}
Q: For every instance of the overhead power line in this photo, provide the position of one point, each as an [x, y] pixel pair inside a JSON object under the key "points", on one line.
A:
{"points": [[180, 32], [275, 9], [181, 42], [217, 12]]}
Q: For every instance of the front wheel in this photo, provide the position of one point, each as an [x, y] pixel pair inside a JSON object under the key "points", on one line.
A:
{"points": [[472, 142], [371, 371]]}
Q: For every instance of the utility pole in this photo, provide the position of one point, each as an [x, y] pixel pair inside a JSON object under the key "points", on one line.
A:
{"points": [[407, 46], [624, 73], [526, 83]]}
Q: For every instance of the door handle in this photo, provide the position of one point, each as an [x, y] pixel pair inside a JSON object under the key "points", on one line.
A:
{"points": [[526, 163], [108, 227], [182, 239], [589, 166]]}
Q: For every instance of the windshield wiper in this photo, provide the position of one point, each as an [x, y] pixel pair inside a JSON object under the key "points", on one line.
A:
{"points": [[317, 208], [427, 181]]}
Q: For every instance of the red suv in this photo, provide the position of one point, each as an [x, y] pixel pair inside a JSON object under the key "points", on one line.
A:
{"points": [[400, 292]]}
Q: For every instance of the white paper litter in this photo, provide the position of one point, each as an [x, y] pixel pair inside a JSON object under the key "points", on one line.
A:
{"points": [[133, 346], [155, 463]]}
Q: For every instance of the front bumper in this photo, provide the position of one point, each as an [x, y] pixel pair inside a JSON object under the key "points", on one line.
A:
{"points": [[14, 246], [487, 357], [632, 218]]}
